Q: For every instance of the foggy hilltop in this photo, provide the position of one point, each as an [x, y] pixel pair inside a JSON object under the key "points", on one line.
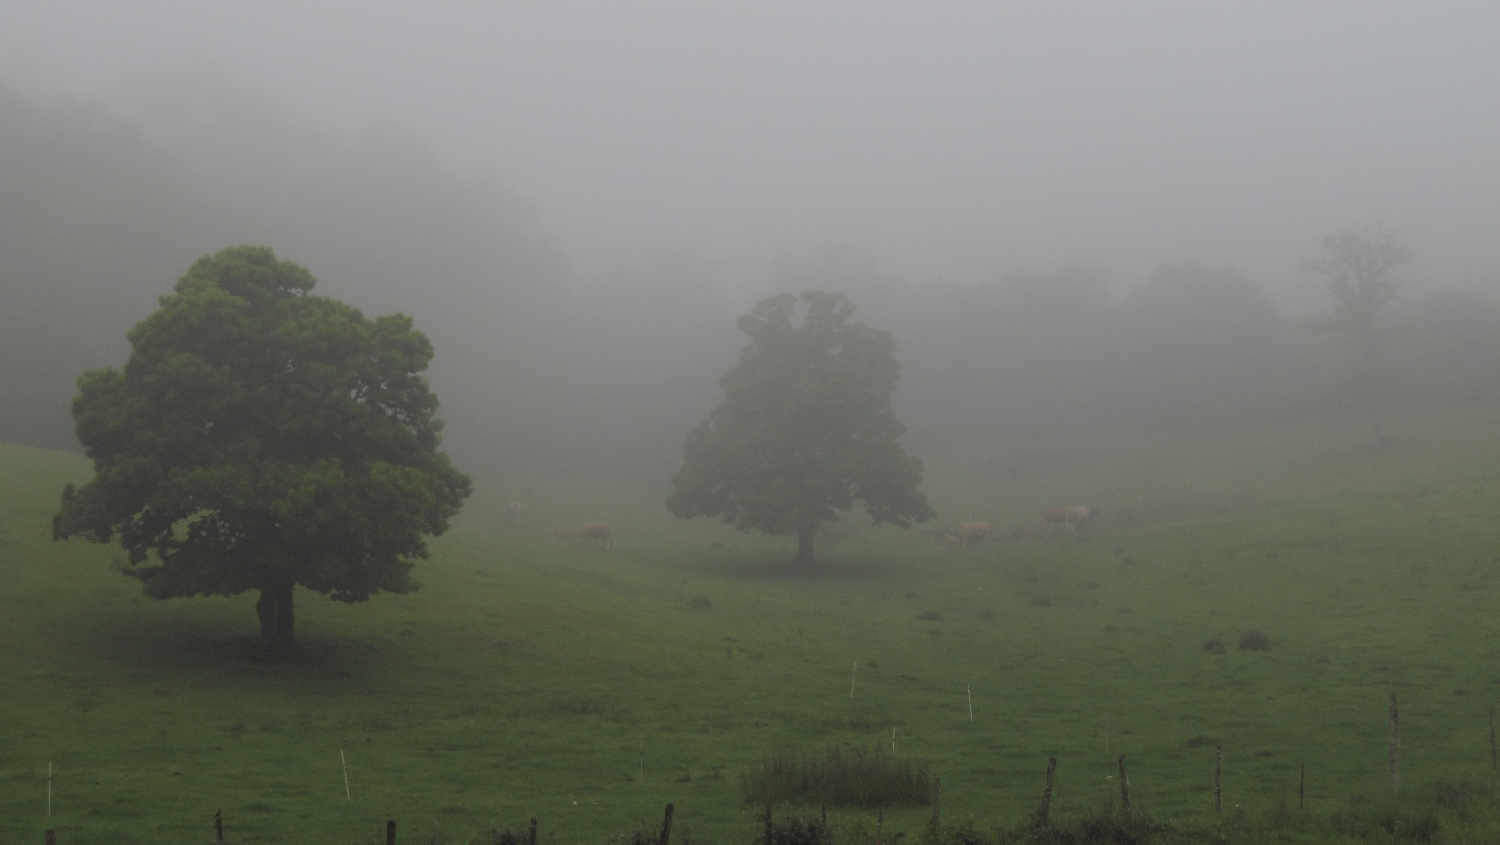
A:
{"points": [[1072, 219]]}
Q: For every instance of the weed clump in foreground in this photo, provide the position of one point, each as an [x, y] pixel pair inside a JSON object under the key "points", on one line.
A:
{"points": [[796, 831], [1255, 640], [838, 777]]}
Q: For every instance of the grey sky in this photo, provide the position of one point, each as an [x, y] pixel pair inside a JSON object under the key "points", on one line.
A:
{"points": [[958, 140]]}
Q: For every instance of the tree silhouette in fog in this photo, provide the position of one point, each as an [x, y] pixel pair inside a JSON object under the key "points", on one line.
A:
{"points": [[805, 430], [1361, 275]]}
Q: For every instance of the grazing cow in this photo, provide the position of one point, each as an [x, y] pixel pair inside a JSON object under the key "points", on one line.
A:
{"points": [[974, 532], [1071, 517], [596, 531], [945, 536]]}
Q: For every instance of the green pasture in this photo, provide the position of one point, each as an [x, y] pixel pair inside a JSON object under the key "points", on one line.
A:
{"points": [[588, 687]]}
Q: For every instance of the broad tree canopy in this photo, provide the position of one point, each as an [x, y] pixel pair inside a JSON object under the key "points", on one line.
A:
{"points": [[261, 437], [806, 428]]}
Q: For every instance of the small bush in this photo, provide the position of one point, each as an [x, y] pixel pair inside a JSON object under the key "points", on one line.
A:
{"points": [[838, 778], [1107, 826], [795, 831], [1399, 819], [1255, 640], [965, 834], [1041, 601], [930, 616], [702, 603], [1215, 646]]}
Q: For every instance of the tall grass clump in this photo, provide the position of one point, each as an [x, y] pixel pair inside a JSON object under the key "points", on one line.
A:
{"points": [[838, 777]]}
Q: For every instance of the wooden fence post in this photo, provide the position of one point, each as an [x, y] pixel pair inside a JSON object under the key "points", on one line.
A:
{"points": [[769, 830], [531, 832], [1393, 750], [1218, 779], [218, 825], [1301, 784], [823, 812], [1046, 810], [51, 837], [1124, 786], [1492, 739], [937, 799], [666, 827], [390, 832]]}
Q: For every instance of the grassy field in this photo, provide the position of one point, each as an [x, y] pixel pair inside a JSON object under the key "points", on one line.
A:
{"points": [[588, 687]]}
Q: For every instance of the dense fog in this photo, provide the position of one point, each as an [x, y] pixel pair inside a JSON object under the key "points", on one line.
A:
{"points": [[1073, 220]]}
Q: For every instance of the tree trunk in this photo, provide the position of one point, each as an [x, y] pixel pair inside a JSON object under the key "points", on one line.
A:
{"points": [[274, 608], [805, 546], [1370, 354]]}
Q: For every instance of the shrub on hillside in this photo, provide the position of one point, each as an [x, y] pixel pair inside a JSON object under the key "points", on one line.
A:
{"points": [[1399, 819], [838, 777], [1215, 646], [795, 831], [1255, 640]]}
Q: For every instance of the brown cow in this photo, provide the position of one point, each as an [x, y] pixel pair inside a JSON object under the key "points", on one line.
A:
{"points": [[972, 532], [596, 531]]}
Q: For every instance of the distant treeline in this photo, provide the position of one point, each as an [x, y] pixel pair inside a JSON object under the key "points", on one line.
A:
{"points": [[540, 370], [1052, 354]]}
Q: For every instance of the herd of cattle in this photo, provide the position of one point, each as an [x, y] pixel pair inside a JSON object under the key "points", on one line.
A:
{"points": [[968, 534], [1053, 520], [584, 531]]}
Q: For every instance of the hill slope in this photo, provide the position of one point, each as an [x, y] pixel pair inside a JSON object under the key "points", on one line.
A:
{"points": [[531, 673]]}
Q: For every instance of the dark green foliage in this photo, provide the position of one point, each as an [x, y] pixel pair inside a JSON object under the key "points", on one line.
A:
{"points": [[1396, 819], [966, 833], [1457, 795], [1255, 639], [1108, 826], [261, 438], [838, 777], [930, 616], [793, 831], [1214, 646], [806, 428]]}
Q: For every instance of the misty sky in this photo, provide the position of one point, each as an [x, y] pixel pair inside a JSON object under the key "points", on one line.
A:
{"points": [[957, 140]]}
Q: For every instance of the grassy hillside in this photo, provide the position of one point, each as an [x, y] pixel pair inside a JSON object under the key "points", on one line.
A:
{"points": [[588, 687]]}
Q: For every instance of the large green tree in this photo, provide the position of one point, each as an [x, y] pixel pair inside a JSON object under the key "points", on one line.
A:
{"points": [[260, 438], [806, 428]]}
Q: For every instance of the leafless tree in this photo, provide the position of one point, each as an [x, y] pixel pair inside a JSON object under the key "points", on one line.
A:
{"points": [[1362, 275]]}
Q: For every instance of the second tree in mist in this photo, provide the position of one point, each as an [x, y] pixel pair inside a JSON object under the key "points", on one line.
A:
{"points": [[806, 428]]}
